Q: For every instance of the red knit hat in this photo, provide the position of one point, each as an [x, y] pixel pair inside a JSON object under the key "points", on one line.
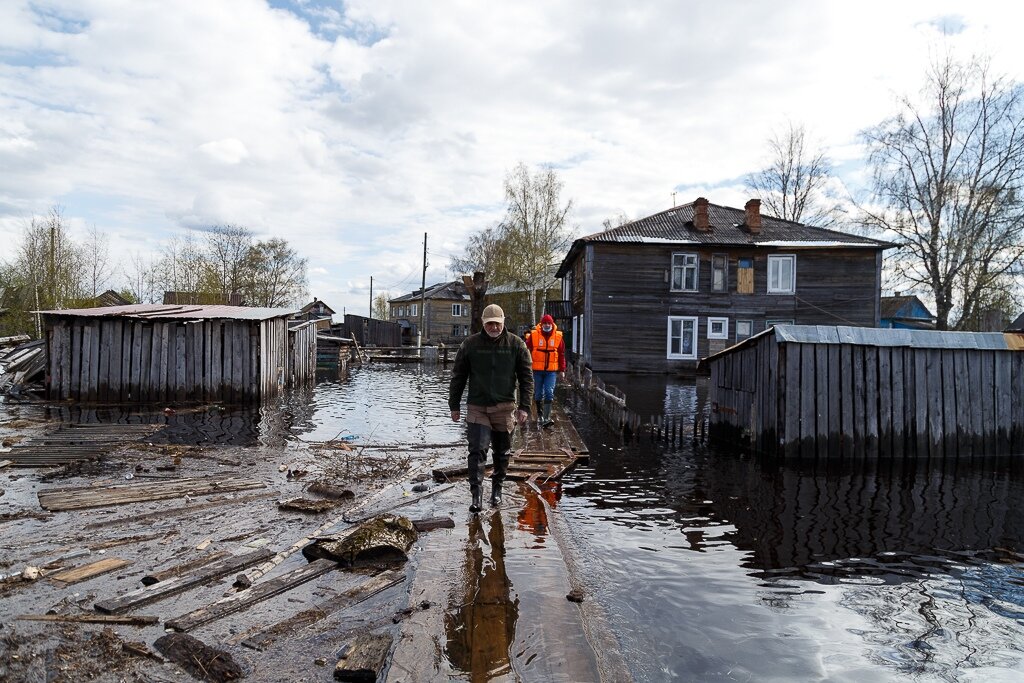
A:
{"points": [[547, 320]]}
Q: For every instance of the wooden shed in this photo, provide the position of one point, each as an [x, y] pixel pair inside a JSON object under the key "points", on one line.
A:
{"points": [[150, 353], [815, 391]]}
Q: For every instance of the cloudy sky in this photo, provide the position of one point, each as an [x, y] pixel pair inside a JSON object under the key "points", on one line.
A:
{"points": [[352, 128]]}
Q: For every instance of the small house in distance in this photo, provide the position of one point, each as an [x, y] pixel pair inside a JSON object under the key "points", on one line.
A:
{"points": [[149, 353], [660, 293], [905, 312], [446, 314], [319, 311], [834, 392]]}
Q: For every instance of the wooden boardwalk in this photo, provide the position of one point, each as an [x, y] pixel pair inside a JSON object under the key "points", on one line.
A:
{"points": [[72, 442], [541, 454]]}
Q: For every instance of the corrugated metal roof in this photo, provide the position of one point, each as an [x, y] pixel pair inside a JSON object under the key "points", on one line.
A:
{"points": [[167, 312], [449, 291]]}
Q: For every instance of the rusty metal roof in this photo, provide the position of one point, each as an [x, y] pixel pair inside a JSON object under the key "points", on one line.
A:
{"points": [[169, 312]]}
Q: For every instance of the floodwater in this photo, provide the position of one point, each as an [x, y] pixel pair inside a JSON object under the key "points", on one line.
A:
{"points": [[708, 564]]}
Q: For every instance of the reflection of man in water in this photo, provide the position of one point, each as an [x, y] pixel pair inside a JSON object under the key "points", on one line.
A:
{"points": [[533, 516], [482, 631]]}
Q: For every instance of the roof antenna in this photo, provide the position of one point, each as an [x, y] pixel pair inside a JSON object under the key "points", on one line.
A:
{"points": [[673, 199]]}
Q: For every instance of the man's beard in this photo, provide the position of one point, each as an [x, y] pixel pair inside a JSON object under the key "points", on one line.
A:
{"points": [[494, 335]]}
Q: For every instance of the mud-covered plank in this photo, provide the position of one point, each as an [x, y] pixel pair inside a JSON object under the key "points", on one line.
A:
{"points": [[364, 659], [184, 567], [87, 571], [93, 619], [178, 584], [86, 497], [250, 597]]}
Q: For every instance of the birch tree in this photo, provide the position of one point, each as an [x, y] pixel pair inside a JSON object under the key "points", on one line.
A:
{"points": [[947, 174], [797, 182], [275, 274]]}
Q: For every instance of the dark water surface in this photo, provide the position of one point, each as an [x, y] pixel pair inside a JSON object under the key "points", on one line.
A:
{"points": [[714, 565]]}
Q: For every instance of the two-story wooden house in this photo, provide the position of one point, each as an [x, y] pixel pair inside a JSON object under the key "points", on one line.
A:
{"points": [[662, 292], [446, 315]]}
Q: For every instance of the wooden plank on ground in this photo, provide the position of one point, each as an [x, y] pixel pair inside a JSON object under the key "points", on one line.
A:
{"points": [[87, 497], [258, 593], [87, 571], [362, 591], [182, 568], [177, 584], [92, 619], [364, 659]]}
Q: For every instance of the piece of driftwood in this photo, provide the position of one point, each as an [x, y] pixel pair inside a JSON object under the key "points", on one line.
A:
{"points": [[364, 659], [307, 505], [140, 650], [199, 659], [327, 491], [87, 571], [367, 589], [386, 538], [178, 570], [431, 523], [251, 596], [178, 584], [5, 463], [127, 620], [85, 497]]}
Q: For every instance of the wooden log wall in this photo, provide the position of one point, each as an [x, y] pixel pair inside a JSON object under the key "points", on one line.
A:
{"points": [[127, 360], [850, 401]]}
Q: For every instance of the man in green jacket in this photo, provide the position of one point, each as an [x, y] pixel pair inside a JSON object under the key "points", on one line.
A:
{"points": [[493, 362]]}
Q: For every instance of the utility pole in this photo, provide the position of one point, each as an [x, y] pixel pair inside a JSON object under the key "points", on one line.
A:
{"points": [[673, 199], [423, 292], [371, 296]]}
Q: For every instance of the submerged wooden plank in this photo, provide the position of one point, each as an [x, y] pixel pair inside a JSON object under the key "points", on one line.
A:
{"points": [[253, 595], [365, 657], [87, 571], [87, 497], [177, 584]]}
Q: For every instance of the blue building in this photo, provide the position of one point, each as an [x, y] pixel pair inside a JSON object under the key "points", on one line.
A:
{"points": [[905, 313]]}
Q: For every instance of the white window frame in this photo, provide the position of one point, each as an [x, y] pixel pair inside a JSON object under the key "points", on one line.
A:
{"points": [[773, 262], [668, 337], [575, 334], [725, 272], [414, 310], [724, 334], [456, 310], [685, 258], [736, 327]]}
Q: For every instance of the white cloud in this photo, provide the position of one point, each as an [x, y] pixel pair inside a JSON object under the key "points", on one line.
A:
{"points": [[352, 133]]}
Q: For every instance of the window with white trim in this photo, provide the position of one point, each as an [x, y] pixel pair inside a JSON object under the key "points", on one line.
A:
{"points": [[781, 274], [744, 330], [413, 310], [684, 272], [718, 328], [456, 310], [682, 337]]}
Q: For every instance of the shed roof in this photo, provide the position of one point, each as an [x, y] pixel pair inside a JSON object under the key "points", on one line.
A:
{"points": [[1017, 325], [873, 336], [452, 291], [675, 226], [168, 312]]}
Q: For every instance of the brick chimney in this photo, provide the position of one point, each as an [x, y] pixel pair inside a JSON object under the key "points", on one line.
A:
{"points": [[700, 215], [753, 216]]}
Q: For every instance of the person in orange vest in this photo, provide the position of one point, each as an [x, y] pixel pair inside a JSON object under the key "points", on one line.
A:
{"points": [[548, 352]]}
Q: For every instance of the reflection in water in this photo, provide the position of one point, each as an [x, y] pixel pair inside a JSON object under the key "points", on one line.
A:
{"points": [[533, 517], [482, 630]]}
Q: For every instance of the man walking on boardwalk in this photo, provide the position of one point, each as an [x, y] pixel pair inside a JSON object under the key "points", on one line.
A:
{"points": [[547, 350], [493, 361]]}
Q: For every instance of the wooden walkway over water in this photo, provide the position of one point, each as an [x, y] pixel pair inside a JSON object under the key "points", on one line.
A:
{"points": [[537, 453]]}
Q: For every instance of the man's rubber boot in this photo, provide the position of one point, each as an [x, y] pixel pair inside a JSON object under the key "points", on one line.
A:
{"points": [[495, 494], [479, 440], [540, 413], [477, 504], [502, 442], [547, 414]]}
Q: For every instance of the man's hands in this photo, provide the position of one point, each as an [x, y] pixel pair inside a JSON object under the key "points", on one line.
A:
{"points": [[456, 415], [522, 416]]}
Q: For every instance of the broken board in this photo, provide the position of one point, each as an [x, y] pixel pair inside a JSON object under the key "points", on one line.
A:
{"points": [[83, 497], [87, 571]]}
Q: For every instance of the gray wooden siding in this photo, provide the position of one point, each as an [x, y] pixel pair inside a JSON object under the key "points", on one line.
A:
{"points": [[842, 401], [628, 300]]}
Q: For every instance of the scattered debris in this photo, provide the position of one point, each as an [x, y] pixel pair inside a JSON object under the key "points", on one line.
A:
{"points": [[364, 658], [178, 584], [198, 658], [140, 650], [69, 576], [420, 488], [204, 544], [385, 539], [575, 596], [431, 523], [328, 491], [79, 498], [242, 582], [241, 601]]}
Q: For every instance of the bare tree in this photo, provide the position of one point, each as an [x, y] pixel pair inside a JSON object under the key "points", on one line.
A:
{"points": [[535, 232], [227, 251], [381, 307], [183, 266], [275, 274], [797, 182], [482, 252], [141, 279], [96, 259], [617, 221], [947, 177]]}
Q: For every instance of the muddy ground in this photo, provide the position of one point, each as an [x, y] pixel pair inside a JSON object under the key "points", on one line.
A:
{"points": [[485, 600]]}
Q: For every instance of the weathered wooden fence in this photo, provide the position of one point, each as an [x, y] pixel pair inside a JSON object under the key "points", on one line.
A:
{"points": [[837, 393], [303, 350]]}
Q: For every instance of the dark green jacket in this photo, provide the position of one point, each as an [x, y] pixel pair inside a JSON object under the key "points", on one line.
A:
{"points": [[492, 367]]}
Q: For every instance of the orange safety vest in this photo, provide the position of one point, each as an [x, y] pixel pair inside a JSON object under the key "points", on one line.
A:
{"points": [[545, 349]]}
